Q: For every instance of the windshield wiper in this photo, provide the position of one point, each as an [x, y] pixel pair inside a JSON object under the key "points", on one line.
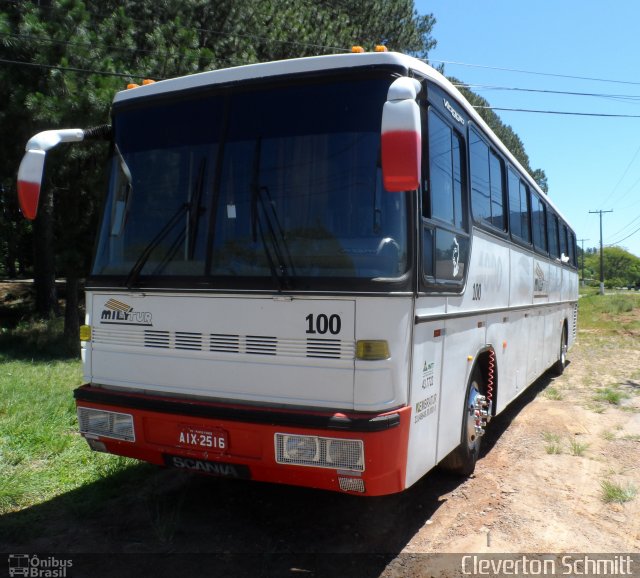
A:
{"points": [[276, 256], [133, 275], [193, 210]]}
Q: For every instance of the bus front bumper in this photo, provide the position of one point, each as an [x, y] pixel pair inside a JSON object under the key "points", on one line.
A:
{"points": [[359, 453]]}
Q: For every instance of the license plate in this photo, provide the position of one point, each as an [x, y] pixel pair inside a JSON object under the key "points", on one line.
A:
{"points": [[213, 439]]}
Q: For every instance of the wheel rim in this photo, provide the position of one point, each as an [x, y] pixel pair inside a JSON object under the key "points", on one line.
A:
{"points": [[472, 437], [563, 348]]}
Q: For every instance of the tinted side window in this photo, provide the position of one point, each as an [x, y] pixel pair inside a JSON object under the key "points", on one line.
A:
{"points": [[552, 231], [487, 183], [515, 224], [564, 250], [445, 169], [519, 208], [497, 192], [480, 181], [538, 218], [572, 249]]}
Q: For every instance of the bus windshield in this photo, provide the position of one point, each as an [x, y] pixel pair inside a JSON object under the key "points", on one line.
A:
{"points": [[267, 187]]}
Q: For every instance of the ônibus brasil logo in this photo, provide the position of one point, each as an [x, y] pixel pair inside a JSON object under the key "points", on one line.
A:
{"points": [[27, 565], [118, 313]]}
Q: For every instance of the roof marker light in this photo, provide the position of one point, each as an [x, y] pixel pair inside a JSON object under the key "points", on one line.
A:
{"points": [[357, 49], [381, 48]]}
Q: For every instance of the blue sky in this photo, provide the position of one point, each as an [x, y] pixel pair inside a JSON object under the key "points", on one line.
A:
{"points": [[592, 163]]}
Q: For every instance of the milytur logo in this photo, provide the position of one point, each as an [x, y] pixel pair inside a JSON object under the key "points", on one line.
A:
{"points": [[27, 565], [118, 313]]}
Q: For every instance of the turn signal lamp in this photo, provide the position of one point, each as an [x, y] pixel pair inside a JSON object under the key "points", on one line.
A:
{"points": [[381, 48], [85, 333], [357, 49], [372, 350]]}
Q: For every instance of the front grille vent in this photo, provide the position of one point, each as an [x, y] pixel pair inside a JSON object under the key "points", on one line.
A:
{"points": [[226, 343], [324, 348], [190, 341], [154, 338], [261, 345]]}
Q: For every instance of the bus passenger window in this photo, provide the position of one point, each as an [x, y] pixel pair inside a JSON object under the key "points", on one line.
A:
{"points": [[445, 170], [519, 208], [564, 250], [538, 218], [525, 223], [572, 249], [487, 183], [514, 205], [552, 231]]}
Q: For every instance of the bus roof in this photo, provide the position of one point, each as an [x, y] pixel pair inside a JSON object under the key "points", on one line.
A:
{"points": [[318, 64]]}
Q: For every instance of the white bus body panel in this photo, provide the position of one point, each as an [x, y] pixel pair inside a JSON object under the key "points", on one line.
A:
{"points": [[383, 384], [254, 349], [517, 309]]}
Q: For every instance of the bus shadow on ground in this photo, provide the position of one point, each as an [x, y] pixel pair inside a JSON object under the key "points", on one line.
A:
{"points": [[170, 521]]}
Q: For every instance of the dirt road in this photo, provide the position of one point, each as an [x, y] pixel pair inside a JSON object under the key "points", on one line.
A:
{"points": [[538, 487]]}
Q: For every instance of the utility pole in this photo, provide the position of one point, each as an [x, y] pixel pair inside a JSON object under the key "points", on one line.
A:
{"points": [[581, 241], [601, 252]]}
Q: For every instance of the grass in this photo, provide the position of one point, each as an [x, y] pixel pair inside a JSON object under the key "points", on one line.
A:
{"points": [[553, 444], [553, 393], [41, 453], [577, 448], [610, 395], [615, 493], [605, 314]]}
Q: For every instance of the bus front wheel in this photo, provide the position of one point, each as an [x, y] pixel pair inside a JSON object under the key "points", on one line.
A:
{"points": [[462, 460]]}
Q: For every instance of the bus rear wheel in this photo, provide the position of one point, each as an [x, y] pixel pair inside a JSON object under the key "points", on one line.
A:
{"points": [[558, 366], [462, 460]]}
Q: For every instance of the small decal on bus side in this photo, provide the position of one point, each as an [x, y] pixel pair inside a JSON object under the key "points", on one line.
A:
{"points": [[454, 113], [426, 407], [477, 291], [427, 374]]}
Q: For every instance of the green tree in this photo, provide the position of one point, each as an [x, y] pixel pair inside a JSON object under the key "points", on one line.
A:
{"points": [[65, 59], [621, 268]]}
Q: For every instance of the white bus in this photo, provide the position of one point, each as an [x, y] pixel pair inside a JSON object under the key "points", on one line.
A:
{"points": [[325, 272]]}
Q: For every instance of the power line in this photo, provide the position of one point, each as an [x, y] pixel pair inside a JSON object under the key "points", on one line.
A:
{"points": [[560, 112], [624, 174], [546, 91], [71, 69], [625, 238], [538, 73]]}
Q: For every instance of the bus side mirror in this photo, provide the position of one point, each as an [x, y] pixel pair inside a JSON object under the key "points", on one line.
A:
{"points": [[32, 166], [401, 138], [30, 181]]}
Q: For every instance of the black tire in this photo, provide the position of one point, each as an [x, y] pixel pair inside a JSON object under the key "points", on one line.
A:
{"points": [[462, 460], [558, 367]]}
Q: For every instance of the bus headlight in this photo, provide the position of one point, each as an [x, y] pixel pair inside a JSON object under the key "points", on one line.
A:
{"points": [[109, 424], [346, 454], [320, 452], [301, 449]]}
